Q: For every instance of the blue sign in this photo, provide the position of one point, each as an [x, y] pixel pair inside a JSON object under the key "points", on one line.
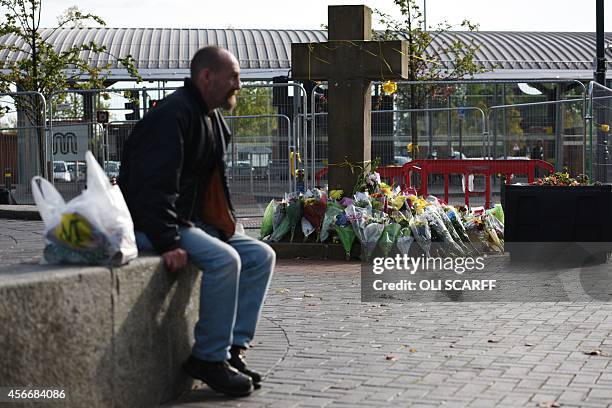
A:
{"points": [[461, 113]]}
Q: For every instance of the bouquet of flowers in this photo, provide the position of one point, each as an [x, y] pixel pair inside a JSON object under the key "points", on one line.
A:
{"points": [[389, 237], [371, 234], [282, 224], [267, 223], [332, 211], [421, 232], [294, 213]]}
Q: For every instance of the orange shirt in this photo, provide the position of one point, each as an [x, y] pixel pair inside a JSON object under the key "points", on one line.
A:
{"points": [[215, 208]]}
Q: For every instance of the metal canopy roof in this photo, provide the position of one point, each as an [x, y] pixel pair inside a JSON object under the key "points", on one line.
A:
{"points": [[164, 53]]}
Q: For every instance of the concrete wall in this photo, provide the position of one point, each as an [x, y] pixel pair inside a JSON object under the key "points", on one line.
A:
{"points": [[108, 337]]}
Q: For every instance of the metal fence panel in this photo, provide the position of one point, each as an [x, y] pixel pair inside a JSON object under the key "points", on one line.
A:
{"points": [[23, 144], [599, 136], [466, 119]]}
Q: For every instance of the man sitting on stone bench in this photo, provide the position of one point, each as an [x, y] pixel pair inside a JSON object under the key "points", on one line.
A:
{"points": [[173, 179]]}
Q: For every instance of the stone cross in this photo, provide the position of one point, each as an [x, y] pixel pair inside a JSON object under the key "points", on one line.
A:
{"points": [[349, 60]]}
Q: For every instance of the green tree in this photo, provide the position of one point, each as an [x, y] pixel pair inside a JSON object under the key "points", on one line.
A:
{"points": [[254, 101], [44, 69], [425, 63]]}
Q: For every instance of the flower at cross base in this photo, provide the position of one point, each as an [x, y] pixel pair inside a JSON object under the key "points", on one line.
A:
{"points": [[389, 87], [336, 194], [385, 189], [373, 179]]}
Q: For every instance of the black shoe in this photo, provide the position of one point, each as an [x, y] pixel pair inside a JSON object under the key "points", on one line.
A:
{"points": [[237, 355], [219, 376]]}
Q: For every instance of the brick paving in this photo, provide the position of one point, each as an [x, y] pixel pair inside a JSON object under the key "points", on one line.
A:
{"points": [[319, 345]]}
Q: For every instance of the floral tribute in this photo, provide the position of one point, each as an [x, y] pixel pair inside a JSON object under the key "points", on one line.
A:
{"points": [[381, 216], [563, 179]]}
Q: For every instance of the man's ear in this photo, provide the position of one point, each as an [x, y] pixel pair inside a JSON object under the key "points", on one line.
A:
{"points": [[204, 76]]}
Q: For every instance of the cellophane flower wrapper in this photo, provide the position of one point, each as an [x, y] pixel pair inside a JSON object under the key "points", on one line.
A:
{"points": [[497, 225], [267, 223], [455, 219], [389, 237], [294, 214], [279, 215], [404, 240], [281, 223], [491, 233], [498, 212], [437, 225], [314, 212], [358, 217], [333, 210], [307, 228], [421, 232], [439, 206], [346, 235], [362, 200], [371, 234]]}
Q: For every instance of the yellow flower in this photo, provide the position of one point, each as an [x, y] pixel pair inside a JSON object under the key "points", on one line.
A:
{"points": [[385, 189], [605, 128], [309, 201], [336, 194], [412, 148], [397, 202], [419, 205], [389, 88]]}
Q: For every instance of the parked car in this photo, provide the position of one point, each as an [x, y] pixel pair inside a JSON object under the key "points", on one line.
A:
{"points": [[240, 169], [401, 160], [78, 170], [111, 168], [60, 171]]}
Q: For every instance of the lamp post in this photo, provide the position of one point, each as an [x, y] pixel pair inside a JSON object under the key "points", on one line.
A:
{"points": [[601, 149], [600, 66]]}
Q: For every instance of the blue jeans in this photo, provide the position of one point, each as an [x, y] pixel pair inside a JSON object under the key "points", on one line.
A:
{"points": [[235, 279]]}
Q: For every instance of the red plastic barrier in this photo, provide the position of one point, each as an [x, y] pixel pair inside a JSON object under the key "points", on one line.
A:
{"points": [[447, 167], [471, 167]]}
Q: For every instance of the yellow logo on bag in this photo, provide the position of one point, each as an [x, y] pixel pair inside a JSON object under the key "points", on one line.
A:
{"points": [[74, 230]]}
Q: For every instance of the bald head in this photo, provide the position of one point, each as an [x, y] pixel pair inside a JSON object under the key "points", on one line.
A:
{"points": [[216, 74], [211, 57]]}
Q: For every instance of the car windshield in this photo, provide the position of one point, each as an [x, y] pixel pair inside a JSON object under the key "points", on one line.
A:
{"points": [[59, 167]]}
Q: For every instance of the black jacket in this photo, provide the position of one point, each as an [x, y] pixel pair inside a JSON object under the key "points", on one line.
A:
{"points": [[168, 160]]}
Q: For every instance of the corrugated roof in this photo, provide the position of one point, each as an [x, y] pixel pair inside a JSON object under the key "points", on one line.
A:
{"points": [[164, 53]]}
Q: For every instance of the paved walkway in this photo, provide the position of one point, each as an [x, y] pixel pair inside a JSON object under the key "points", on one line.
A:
{"points": [[321, 346]]}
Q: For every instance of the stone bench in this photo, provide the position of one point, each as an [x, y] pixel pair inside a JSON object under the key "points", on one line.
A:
{"points": [[110, 337]]}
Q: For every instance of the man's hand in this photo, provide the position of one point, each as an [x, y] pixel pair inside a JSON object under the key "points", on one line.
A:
{"points": [[175, 259]]}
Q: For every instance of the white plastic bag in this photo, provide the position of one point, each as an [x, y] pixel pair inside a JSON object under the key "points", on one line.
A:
{"points": [[94, 228]]}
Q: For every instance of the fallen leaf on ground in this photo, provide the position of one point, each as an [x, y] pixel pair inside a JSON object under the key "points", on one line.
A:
{"points": [[307, 295], [413, 350], [452, 346], [528, 344], [593, 353], [492, 341], [391, 358], [549, 404], [282, 290]]}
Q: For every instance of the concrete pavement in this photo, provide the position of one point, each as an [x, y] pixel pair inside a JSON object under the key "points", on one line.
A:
{"points": [[319, 345]]}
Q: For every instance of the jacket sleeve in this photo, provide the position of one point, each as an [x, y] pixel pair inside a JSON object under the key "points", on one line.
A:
{"points": [[156, 160]]}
